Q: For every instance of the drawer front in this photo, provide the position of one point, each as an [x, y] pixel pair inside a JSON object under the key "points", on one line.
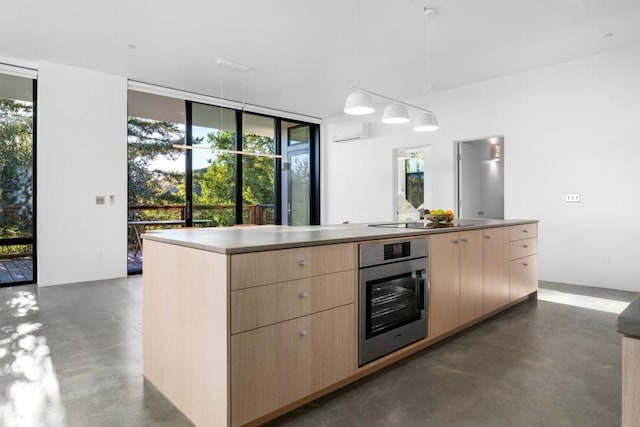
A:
{"points": [[265, 305], [274, 366], [523, 248], [518, 232], [524, 276], [263, 268]]}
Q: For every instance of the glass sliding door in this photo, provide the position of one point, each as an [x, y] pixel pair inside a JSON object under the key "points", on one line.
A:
{"points": [[258, 173], [156, 170], [296, 191], [213, 174], [17, 212]]}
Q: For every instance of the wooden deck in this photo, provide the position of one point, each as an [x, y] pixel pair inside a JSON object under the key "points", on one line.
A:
{"points": [[134, 262], [20, 270], [16, 270]]}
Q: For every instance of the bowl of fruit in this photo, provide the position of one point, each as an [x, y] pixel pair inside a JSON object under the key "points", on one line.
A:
{"points": [[438, 215]]}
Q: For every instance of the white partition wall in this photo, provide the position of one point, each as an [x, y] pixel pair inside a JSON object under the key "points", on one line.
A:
{"points": [[81, 154], [568, 128]]}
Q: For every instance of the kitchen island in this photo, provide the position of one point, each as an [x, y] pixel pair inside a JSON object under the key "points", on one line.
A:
{"points": [[629, 326], [244, 324]]}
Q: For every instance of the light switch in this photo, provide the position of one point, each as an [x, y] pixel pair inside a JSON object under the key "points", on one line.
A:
{"points": [[99, 200], [572, 198]]}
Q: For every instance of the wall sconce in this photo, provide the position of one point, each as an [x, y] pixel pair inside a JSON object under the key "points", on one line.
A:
{"points": [[496, 151]]}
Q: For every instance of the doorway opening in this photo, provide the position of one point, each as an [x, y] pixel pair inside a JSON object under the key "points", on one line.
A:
{"points": [[412, 187], [480, 183]]}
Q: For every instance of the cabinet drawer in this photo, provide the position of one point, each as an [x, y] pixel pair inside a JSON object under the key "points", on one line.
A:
{"points": [[263, 268], [518, 232], [523, 248], [524, 276], [265, 305], [274, 366]]}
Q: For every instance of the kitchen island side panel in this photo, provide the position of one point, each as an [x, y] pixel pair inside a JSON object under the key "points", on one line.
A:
{"points": [[186, 344]]}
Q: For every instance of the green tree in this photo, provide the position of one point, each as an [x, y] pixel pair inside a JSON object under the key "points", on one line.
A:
{"points": [[147, 141], [215, 185]]}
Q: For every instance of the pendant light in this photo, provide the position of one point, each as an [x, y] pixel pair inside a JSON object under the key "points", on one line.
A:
{"points": [[244, 69], [395, 113], [426, 121], [359, 103]]}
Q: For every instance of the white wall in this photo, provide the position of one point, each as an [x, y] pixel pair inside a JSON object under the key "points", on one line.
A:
{"points": [[81, 153], [573, 127]]}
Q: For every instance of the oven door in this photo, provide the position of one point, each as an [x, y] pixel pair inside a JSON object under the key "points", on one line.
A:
{"points": [[393, 301]]}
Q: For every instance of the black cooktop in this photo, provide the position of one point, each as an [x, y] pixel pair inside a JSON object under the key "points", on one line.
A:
{"points": [[421, 225]]}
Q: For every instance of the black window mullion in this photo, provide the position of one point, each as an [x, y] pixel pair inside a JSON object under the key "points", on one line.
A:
{"points": [[188, 165], [314, 154], [277, 132], [34, 183], [238, 141]]}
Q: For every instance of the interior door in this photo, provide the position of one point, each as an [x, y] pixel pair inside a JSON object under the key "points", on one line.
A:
{"points": [[298, 175], [481, 178]]}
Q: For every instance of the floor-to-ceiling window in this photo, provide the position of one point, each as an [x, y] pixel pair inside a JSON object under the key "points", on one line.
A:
{"points": [[258, 173], [213, 174], [296, 188], [156, 170], [17, 177], [178, 177]]}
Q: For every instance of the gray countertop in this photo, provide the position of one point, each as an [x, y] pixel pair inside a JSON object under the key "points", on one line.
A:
{"points": [[629, 319], [230, 240]]}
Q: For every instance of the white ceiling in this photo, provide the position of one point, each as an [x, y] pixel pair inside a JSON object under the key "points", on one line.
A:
{"points": [[303, 55]]}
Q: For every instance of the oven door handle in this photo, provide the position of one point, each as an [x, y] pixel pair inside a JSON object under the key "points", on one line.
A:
{"points": [[419, 281]]}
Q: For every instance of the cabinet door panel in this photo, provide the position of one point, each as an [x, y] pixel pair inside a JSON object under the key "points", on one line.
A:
{"points": [[265, 305], [471, 276], [496, 268], [524, 276], [274, 366], [523, 248], [263, 268], [518, 232], [444, 297]]}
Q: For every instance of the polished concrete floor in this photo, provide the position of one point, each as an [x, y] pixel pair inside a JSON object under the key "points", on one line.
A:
{"points": [[71, 355]]}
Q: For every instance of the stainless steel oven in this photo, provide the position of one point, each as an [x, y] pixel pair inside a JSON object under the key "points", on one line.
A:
{"points": [[393, 295]]}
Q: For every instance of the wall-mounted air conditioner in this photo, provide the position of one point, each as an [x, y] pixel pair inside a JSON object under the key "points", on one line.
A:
{"points": [[351, 132]]}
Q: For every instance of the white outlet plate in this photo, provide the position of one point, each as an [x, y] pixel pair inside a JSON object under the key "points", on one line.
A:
{"points": [[572, 197]]}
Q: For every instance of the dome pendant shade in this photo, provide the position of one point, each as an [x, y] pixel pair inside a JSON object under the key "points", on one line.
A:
{"points": [[359, 103], [425, 122], [395, 114]]}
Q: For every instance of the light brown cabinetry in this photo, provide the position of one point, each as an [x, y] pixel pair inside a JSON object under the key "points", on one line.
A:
{"points": [[523, 264], [471, 276], [496, 268], [274, 366], [444, 292], [262, 268], [233, 339], [292, 326], [456, 284], [265, 305]]}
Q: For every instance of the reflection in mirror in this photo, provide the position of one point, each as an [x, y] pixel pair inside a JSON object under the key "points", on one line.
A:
{"points": [[413, 182]]}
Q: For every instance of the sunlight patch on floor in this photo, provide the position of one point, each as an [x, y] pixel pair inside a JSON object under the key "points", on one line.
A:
{"points": [[593, 303]]}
